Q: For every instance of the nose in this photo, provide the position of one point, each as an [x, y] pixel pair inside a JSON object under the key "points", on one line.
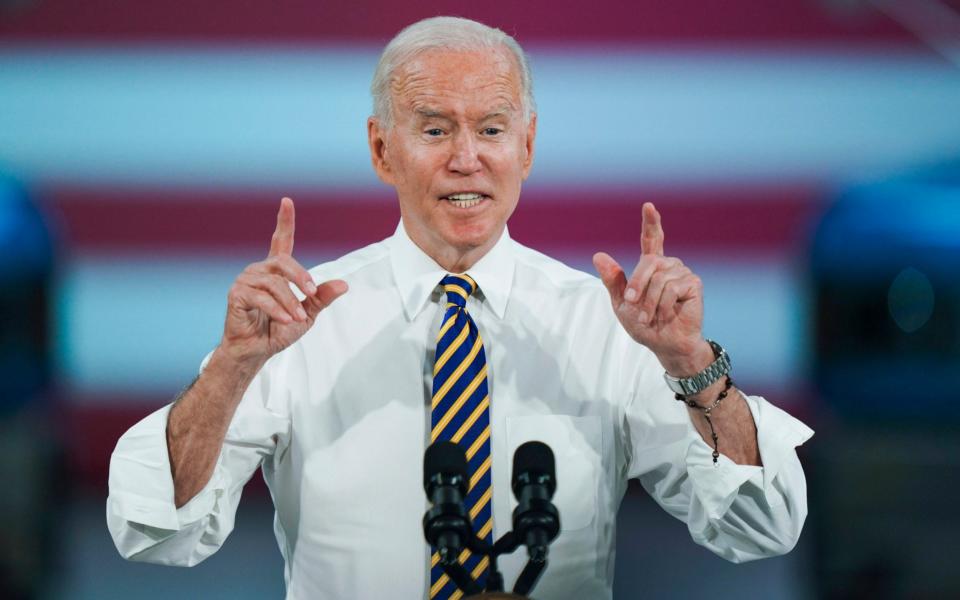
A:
{"points": [[464, 155]]}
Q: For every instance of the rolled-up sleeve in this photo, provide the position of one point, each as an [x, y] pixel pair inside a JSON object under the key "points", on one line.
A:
{"points": [[740, 512], [142, 518]]}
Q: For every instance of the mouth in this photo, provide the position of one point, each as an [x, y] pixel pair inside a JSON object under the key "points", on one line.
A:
{"points": [[465, 199]]}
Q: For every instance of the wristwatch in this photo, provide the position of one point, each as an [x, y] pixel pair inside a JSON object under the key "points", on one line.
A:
{"points": [[689, 386]]}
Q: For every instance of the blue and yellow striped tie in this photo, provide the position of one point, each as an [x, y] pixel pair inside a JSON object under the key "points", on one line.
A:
{"points": [[461, 413]]}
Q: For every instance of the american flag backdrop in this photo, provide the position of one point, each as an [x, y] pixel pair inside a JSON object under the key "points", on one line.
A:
{"points": [[160, 138]]}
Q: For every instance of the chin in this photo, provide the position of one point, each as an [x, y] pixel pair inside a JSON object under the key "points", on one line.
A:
{"points": [[467, 237]]}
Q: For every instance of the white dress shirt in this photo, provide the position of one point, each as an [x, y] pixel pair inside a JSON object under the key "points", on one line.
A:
{"points": [[339, 422]]}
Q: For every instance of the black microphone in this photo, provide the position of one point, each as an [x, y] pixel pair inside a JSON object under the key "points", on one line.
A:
{"points": [[536, 521], [446, 525]]}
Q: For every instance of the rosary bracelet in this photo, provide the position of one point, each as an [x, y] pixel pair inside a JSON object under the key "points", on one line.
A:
{"points": [[706, 413]]}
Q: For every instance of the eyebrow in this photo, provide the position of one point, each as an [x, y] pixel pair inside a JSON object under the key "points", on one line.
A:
{"points": [[498, 112], [432, 113]]}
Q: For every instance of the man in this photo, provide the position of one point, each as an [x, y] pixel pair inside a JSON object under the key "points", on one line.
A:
{"points": [[451, 330]]}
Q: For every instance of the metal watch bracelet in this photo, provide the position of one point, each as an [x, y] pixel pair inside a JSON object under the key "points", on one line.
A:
{"points": [[689, 386]]}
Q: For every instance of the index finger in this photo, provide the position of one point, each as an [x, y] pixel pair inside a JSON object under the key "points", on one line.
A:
{"points": [[651, 241], [282, 241]]}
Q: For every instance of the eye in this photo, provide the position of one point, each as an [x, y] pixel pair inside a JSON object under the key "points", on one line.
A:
{"points": [[434, 132], [491, 131]]}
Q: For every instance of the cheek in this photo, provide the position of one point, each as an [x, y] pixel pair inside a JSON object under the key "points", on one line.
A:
{"points": [[419, 166]]}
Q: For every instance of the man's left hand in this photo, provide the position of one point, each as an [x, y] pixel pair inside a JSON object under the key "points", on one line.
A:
{"points": [[661, 305]]}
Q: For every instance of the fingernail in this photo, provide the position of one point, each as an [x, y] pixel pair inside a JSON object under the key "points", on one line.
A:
{"points": [[631, 295], [301, 313], [311, 289], [643, 317]]}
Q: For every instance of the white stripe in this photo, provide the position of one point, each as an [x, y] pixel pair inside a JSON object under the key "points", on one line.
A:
{"points": [[216, 116], [107, 306]]}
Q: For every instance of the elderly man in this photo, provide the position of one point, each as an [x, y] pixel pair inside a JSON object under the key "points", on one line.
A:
{"points": [[451, 330]]}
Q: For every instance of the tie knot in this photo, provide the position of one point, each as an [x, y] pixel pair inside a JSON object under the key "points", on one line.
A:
{"points": [[458, 288]]}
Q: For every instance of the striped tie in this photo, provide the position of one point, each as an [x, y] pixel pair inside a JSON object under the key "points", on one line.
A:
{"points": [[461, 413]]}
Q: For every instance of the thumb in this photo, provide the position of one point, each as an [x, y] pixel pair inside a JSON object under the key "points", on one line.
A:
{"points": [[612, 276], [326, 293]]}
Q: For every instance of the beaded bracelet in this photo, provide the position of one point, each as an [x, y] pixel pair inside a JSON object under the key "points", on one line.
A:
{"points": [[706, 413]]}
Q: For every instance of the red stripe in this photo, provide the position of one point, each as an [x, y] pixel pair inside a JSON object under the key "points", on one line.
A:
{"points": [[91, 431], [378, 20], [751, 219]]}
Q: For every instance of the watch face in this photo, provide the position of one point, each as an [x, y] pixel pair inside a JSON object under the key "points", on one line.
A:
{"points": [[674, 384]]}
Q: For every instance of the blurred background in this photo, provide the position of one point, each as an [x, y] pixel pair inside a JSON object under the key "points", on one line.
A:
{"points": [[805, 156]]}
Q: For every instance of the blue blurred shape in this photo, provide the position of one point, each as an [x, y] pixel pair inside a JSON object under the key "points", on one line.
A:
{"points": [[885, 264], [26, 248], [874, 226], [26, 268]]}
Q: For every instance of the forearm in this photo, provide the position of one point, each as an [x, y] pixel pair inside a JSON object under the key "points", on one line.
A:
{"points": [[732, 420], [732, 423], [198, 422]]}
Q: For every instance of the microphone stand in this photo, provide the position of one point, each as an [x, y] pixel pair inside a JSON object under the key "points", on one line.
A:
{"points": [[507, 543], [536, 521], [458, 573]]}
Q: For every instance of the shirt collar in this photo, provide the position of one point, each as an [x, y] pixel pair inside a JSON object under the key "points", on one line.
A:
{"points": [[417, 275]]}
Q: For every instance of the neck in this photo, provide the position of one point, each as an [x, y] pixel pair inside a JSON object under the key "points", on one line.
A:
{"points": [[455, 259]]}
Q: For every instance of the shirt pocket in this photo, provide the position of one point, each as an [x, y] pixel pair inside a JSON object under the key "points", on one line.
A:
{"points": [[576, 443]]}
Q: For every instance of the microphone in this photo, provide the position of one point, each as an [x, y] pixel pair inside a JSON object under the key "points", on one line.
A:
{"points": [[536, 521], [446, 525]]}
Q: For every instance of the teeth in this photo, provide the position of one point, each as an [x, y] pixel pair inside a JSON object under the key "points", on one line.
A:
{"points": [[465, 200], [465, 203]]}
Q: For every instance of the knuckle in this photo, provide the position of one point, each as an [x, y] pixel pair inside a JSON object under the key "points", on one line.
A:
{"points": [[252, 268]]}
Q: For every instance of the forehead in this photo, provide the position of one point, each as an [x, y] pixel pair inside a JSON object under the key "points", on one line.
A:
{"points": [[457, 80]]}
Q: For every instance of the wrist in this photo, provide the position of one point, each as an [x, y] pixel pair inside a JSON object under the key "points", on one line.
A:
{"points": [[229, 363], [689, 385], [688, 362]]}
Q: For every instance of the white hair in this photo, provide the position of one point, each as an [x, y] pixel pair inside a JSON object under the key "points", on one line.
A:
{"points": [[443, 33]]}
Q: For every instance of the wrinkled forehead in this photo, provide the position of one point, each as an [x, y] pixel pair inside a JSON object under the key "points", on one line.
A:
{"points": [[463, 79]]}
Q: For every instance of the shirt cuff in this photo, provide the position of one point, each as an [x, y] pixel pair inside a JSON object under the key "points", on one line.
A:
{"points": [[716, 485], [141, 484]]}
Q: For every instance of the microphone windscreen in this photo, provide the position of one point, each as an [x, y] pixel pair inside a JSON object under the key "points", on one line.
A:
{"points": [[535, 458], [443, 458]]}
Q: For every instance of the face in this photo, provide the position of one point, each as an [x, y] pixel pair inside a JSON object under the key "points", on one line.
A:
{"points": [[457, 151]]}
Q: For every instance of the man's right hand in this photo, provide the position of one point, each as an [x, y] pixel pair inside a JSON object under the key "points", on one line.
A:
{"points": [[263, 314]]}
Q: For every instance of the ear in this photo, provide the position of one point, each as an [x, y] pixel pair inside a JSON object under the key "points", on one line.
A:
{"points": [[528, 146], [377, 140]]}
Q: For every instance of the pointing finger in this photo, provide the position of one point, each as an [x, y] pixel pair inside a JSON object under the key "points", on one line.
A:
{"points": [[282, 241], [651, 240]]}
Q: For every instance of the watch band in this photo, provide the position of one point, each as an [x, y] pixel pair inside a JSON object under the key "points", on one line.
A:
{"points": [[689, 386]]}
